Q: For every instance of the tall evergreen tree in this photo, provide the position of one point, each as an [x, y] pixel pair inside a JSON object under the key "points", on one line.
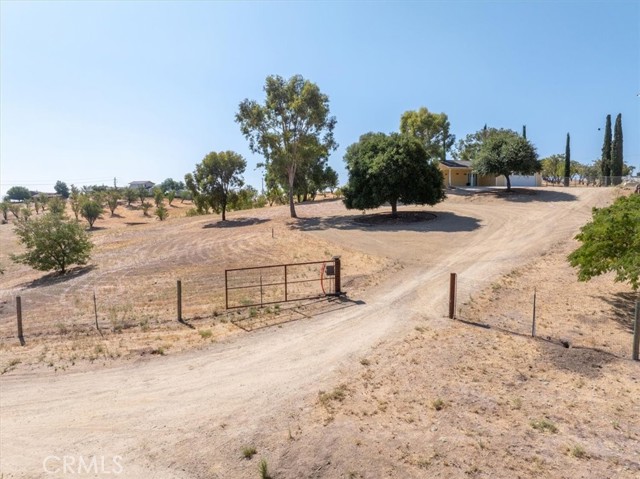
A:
{"points": [[616, 152], [606, 151], [567, 161], [524, 131]]}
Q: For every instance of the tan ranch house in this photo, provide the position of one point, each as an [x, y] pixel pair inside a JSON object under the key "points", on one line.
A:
{"points": [[460, 173]]}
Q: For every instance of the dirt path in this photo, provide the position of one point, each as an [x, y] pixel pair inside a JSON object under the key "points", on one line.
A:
{"points": [[187, 415]]}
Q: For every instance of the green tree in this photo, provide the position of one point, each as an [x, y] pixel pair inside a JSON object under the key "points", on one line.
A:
{"points": [[171, 185], [617, 161], [76, 199], [62, 189], [43, 200], [142, 194], [130, 195], [4, 207], [14, 208], [468, 147], [158, 196], [17, 193], [552, 167], [162, 212], [171, 195], [331, 179], [567, 161], [611, 242], [606, 150], [292, 129], [214, 178], [112, 200], [504, 152], [390, 168], [432, 129], [57, 206], [524, 131], [52, 243], [91, 211], [146, 206]]}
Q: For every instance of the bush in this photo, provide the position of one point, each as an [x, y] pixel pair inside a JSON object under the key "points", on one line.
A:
{"points": [[162, 213], [52, 242], [91, 211]]}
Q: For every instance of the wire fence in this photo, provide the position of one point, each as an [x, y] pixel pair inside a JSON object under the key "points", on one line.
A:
{"points": [[558, 317]]}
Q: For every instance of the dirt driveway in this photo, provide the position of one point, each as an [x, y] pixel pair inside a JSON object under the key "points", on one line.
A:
{"points": [[187, 415]]}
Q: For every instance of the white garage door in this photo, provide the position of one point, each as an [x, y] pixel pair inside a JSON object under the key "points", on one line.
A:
{"points": [[520, 180]]}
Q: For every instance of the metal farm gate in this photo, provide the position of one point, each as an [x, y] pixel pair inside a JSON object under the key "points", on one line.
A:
{"points": [[261, 285]]}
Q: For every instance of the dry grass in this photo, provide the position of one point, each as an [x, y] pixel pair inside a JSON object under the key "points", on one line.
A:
{"points": [[133, 273]]}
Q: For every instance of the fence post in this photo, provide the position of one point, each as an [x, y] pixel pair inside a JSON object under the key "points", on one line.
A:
{"points": [[19, 313], [636, 334], [452, 295], [180, 300], [286, 286], [533, 325], [336, 281]]}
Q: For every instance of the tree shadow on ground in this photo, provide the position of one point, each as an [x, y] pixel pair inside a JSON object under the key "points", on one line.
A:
{"points": [[518, 195], [236, 222], [442, 221], [52, 279], [623, 305]]}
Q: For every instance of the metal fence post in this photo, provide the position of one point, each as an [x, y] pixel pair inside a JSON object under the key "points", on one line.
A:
{"points": [[336, 281], [636, 334], [533, 325], [19, 313], [179, 300], [452, 295]]}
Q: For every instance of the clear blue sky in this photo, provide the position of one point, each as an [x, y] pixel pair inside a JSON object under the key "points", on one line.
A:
{"points": [[144, 90]]}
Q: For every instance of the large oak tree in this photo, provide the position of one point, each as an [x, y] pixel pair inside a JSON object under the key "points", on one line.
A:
{"points": [[504, 152], [390, 169]]}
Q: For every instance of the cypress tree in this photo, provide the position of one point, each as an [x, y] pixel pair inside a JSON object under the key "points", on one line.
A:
{"points": [[606, 151], [616, 152], [524, 131], [567, 161]]}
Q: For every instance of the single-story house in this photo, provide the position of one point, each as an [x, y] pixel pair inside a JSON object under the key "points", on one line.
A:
{"points": [[460, 173], [147, 185]]}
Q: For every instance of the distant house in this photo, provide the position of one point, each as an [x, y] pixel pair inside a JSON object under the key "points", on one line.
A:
{"points": [[460, 173], [147, 185]]}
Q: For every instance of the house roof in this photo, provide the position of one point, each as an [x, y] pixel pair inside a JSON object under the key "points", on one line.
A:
{"points": [[456, 164], [134, 183]]}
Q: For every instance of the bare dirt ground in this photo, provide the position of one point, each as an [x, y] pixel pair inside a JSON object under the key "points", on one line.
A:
{"points": [[386, 387]]}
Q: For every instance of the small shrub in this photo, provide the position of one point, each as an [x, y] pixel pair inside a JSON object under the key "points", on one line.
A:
{"points": [[543, 425], [365, 362], [438, 404], [158, 351], [263, 469], [578, 452], [146, 206], [338, 394], [205, 333], [248, 452], [192, 212], [162, 212]]}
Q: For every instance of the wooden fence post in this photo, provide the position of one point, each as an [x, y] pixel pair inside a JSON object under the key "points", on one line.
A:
{"points": [[337, 285], [636, 334], [19, 313], [452, 295], [179, 301]]}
